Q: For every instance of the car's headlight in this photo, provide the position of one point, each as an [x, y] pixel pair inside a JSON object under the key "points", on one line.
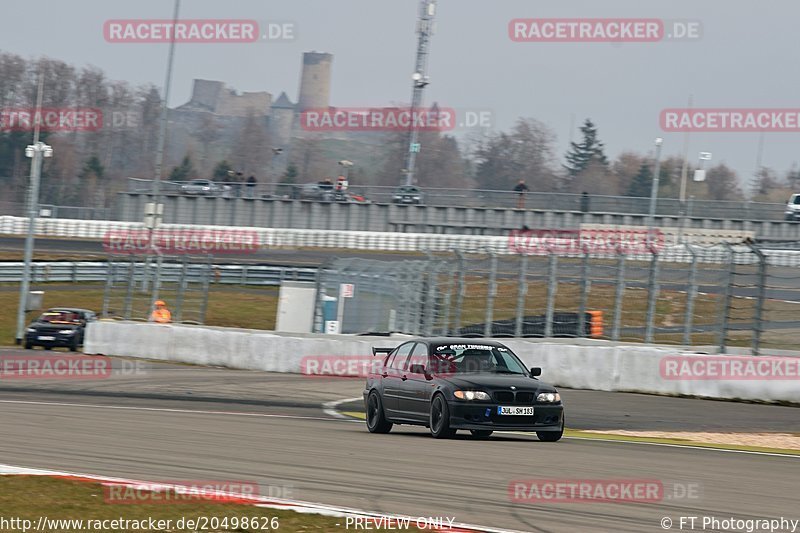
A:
{"points": [[31, 330], [548, 397], [66, 331], [471, 395]]}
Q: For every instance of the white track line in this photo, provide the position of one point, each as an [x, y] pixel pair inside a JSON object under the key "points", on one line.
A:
{"points": [[330, 408]]}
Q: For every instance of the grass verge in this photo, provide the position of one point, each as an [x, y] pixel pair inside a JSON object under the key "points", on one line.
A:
{"points": [[228, 306], [33, 497]]}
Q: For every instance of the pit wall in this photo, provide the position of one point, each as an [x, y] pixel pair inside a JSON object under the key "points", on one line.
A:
{"points": [[579, 364]]}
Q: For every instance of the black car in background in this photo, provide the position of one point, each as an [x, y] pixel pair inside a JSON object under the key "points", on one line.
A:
{"points": [[408, 194], [447, 384], [60, 326]]}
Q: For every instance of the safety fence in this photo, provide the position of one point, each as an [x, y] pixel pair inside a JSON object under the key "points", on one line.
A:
{"points": [[724, 295], [134, 284], [171, 271], [473, 198]]}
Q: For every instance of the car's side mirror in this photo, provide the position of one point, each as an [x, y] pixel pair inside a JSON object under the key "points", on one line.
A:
{"points": [[536, 371]]}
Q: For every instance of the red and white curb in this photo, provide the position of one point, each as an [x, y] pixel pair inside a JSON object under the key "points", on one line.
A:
{"points": [[374, 518]]}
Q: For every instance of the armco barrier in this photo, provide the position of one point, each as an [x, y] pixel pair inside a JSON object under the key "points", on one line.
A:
{"points": [[596, 365], [351, 240]]}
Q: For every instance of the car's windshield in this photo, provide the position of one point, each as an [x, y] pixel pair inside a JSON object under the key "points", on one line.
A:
{"points": [[471, 358], [59, 317], [796, 199]]}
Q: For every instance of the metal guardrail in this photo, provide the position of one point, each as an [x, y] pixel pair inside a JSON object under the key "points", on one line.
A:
{"points": [[83, 271]]}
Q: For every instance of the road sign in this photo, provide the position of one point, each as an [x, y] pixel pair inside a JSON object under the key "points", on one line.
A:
{"points": [[346, 290]]}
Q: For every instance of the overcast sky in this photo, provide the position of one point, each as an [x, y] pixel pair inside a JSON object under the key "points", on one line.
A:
{"points": [[747, 58]]}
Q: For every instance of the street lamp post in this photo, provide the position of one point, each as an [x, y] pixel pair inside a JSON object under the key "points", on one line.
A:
{"points": [[36, 152], [347, 165], [654, 191]]}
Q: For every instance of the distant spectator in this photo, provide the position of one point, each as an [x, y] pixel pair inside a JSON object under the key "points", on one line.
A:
{"points": [[237, 184], [584, 202], [251, 187], [520, 188]]}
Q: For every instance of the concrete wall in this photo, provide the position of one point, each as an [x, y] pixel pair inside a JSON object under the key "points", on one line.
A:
{"points": [[280, 213], [596, 365]]}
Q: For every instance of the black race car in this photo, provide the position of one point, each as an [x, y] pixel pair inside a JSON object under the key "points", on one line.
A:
{"points": [[60, 326], [447, 384]]}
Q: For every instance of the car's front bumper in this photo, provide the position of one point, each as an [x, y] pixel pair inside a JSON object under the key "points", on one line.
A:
{"points": [[482, 416], [53, 340]]}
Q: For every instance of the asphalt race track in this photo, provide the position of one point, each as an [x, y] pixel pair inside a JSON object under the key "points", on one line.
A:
{"points": [[170, 422]]}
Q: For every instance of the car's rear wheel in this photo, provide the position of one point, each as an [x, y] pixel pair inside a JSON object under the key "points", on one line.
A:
{"points": [[48, 347], [376, 418], [28, 346], [73, 347], [440, 418], [551, 436], [481, 433]]}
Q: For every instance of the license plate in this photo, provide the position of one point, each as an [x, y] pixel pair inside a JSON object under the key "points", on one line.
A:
{"points": [[516, 410], [46, 338]]}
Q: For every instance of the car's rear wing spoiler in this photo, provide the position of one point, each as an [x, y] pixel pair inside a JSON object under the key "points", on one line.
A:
{"points": [[376, 351]]}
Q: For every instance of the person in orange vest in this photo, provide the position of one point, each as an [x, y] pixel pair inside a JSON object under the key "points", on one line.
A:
{"points": [[161, 314]]}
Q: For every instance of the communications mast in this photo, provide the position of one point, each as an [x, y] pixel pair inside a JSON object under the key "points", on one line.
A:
{"points": [[420, 80]]}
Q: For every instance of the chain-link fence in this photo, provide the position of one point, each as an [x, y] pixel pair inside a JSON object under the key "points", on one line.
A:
{"points": [[741, 295], [135, 282]]}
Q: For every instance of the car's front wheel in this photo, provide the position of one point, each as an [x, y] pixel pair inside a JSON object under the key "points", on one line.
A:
{"points": [[440, 418], [376, 418], [551, 436], [28, 346]]}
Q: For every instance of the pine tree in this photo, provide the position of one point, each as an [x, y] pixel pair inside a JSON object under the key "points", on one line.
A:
{"points": [[581, 154], [642, 183], [184, 171], [220, 173], [290, 176]]}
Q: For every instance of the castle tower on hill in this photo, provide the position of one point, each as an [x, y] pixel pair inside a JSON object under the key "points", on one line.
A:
{"points": [[315, 81], [281, 121]]}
